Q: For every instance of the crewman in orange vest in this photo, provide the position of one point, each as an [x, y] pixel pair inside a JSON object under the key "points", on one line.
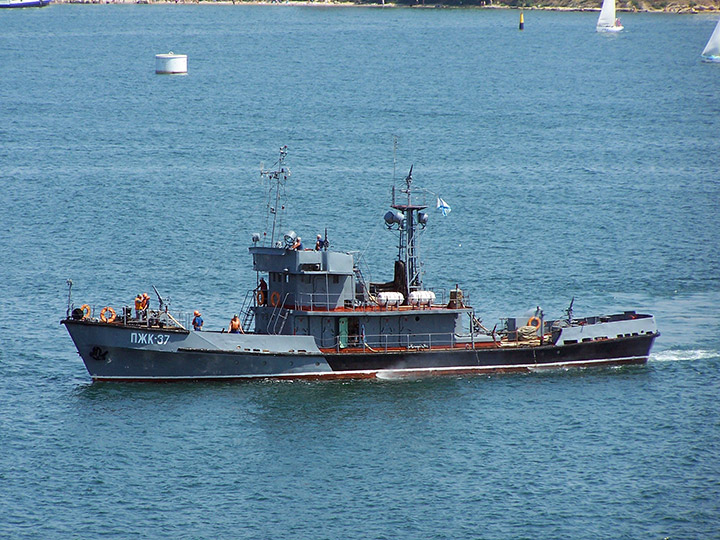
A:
{"points": [[235, 326], [145, 304], [138, 305]]}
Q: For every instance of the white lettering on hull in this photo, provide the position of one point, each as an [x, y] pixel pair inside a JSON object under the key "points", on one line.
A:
{"points": [[144, 338]]}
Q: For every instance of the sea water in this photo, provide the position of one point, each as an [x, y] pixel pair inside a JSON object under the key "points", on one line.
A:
{"points": [[577, 165]]}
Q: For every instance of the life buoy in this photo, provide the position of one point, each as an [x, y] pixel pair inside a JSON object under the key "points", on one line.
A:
{"points": [[87, 310], [260, 298], [275, 299], [106, 319], [534, 321]]}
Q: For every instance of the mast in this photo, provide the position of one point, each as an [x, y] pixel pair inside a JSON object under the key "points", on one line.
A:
{"points": [[395, 142], [277, 180], [408, 218]]}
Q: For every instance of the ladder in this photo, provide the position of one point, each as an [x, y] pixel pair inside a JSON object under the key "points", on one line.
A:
{"points": [[248, 314], [279, 317], [361, 280]]}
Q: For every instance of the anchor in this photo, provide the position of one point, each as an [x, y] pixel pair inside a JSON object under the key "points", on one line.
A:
{"points": [[98, 354]]}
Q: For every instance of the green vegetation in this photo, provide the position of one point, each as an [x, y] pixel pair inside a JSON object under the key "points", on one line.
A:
{"points": [[622, 5]]}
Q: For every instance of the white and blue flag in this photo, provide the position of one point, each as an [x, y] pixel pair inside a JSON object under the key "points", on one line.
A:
{"points": [[443, 207]]}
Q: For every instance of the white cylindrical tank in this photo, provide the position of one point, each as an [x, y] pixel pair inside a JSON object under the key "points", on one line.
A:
{"points": [[170, 63], [391, 298], [422, 298]]}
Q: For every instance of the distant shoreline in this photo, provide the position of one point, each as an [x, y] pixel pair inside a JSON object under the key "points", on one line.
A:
{"points": [[670, 8]]}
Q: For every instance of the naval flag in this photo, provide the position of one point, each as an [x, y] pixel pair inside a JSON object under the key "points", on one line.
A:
{"points": [[443, 207]]}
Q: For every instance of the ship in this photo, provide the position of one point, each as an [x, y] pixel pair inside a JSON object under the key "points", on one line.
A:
{"points": [[314, 315], [23, 3]]}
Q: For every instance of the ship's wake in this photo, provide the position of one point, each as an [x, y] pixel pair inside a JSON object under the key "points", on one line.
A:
{"points": [[683, 355]]}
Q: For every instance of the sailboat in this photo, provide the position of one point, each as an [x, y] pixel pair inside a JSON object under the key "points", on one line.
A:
{"points": [[607, 21], [711, 52]]}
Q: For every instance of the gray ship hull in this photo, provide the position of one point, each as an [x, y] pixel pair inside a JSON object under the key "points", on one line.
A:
{"points": [[120, 353], [314, 315]]}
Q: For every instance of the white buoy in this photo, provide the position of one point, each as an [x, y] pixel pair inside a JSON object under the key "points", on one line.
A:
{"points": [[170, 63]]}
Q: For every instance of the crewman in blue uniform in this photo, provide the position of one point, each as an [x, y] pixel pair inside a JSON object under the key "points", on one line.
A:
{"points": [[197, 321]]}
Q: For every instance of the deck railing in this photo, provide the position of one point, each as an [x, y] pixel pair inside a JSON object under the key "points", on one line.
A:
{"points": [[386, 342], [149, 318], [323, 301]]}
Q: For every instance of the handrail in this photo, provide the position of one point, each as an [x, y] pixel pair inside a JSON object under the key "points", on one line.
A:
{"points": [[149, 318], [385, 342], [318, 300], [277, 315], [323, 301]]}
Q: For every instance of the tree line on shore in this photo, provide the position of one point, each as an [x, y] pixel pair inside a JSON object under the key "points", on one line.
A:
{"points": [[675, 6], [670, 6]]}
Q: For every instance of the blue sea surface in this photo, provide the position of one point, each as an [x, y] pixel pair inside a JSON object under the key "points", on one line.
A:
{"points": [[576, 165]]}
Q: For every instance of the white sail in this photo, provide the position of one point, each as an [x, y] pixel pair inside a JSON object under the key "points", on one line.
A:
{"points": [[607, 14], [713, 45]]}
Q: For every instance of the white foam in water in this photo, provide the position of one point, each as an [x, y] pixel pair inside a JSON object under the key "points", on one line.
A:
{"points": [[391, 376], [678, 356]]}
